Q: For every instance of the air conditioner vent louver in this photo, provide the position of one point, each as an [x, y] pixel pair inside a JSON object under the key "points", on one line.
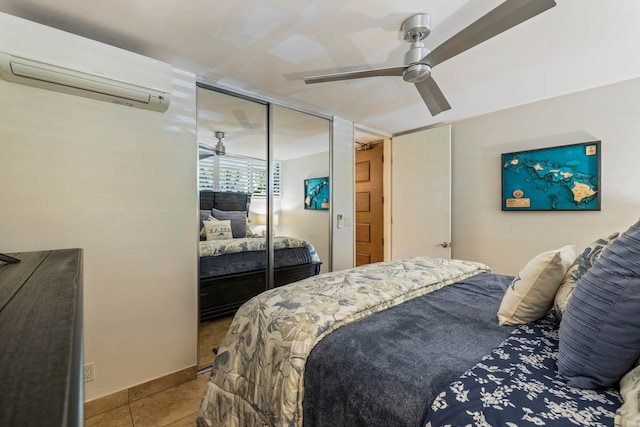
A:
{"points": [[62, 79]]}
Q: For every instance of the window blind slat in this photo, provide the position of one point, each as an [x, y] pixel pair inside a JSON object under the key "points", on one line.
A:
{"points": [[237, 173]]}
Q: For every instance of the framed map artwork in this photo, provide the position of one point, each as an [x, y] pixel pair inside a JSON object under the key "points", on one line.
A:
{"points": [[565, 178], [316, 193]]}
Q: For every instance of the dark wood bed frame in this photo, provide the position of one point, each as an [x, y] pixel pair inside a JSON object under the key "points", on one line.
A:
{"points": [[223, 295]]}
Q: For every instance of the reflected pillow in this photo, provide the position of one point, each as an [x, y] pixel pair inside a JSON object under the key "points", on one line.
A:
{"points": [[238, 221], [530, 295], [600, 330], [580, 266], [251, 231], [204, 215], [218, 230]]}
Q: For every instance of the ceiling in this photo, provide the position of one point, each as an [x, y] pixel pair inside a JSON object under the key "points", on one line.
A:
{"points": [[265, 48], [244, 123]]}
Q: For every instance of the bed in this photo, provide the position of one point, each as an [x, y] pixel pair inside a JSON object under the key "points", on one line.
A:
{"points": [[417, 342], [233, 270]]}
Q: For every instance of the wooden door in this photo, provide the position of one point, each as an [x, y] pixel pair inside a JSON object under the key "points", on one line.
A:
{"points": [[421, 194], [369, 202]]}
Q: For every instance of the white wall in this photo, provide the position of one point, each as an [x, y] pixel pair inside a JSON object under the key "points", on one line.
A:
{"points": [[120, 183], [507, 240], [343, 194], [294, 219]]}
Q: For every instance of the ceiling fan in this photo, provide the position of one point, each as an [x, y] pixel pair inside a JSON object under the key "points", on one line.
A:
{"points": [[207, 151], [418, 60]]}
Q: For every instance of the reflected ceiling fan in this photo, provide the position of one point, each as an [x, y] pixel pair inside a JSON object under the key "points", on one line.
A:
{"points": [[418, 61], [207, 151]]}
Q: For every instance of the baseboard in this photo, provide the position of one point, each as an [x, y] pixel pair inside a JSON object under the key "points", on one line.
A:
{"points": [[140, 391]]}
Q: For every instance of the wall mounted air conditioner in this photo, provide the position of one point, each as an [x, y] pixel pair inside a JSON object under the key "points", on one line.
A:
{"points": [[73, 81]]}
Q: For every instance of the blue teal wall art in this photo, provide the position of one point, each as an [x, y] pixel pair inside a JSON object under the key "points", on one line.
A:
{"points": [[316, 193], [565, 178]]}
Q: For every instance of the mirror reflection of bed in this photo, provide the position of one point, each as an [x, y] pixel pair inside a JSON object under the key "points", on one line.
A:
{"points": [[233, 142], [233, 262]]}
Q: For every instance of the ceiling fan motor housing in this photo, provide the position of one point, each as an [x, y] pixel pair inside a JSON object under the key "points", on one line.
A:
{"points": [[416, 71], [416, 28], [219, 149]]}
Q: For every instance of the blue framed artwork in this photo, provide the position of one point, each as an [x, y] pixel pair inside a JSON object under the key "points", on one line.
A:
{"points": [[316, 193], [565, 178]]}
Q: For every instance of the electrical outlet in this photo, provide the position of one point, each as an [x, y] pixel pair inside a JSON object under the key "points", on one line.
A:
{"points": [[89, 372]]}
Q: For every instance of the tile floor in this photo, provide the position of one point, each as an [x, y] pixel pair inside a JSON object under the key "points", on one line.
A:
{"points": [[210, 335], [177, 406]]}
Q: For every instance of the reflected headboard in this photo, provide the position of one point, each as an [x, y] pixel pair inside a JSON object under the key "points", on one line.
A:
{"points": [[224, 201]]}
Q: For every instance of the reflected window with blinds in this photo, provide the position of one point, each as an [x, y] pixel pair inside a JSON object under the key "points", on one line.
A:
{"points": [[237, 173]]}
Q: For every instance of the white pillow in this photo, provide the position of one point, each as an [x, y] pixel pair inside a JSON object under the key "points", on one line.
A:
{"points": [[628, 415], [218, 230], [203, 234], [250, 232], [530, 295]]}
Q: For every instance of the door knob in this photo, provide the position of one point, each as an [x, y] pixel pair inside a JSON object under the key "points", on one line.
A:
{"points": [[444, 244]]}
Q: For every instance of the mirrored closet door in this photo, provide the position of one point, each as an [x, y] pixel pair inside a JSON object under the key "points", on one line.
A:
{"points": [[232, 141], [302, 209], [257, 233]]}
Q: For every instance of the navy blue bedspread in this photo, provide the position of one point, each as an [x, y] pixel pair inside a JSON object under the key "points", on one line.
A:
{"points": [[241, 262], [386, 370], [517, 385]]}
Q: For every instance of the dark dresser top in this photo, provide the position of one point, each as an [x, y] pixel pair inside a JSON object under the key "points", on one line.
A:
{"points": [[41, 339]]}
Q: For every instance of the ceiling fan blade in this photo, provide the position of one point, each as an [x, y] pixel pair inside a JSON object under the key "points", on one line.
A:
{"points": [[204, 151], [506, 16], [379, 72], [242, 118], [433, 96]]}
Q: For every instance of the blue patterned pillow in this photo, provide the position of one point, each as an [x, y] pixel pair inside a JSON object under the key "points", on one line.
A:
{"points": [[600, 330], [580, 266]]}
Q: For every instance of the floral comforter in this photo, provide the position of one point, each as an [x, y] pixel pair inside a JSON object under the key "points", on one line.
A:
{"points": [[253, 244], [517, 385], [257, 376]]}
